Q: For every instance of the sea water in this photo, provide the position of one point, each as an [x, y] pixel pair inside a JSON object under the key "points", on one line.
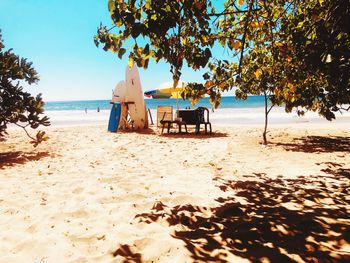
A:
{"points": [[84, 112], [226, 102], [230, 112]]}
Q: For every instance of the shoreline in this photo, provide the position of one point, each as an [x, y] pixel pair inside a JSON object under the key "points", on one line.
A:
{"points": [[220, 117]]}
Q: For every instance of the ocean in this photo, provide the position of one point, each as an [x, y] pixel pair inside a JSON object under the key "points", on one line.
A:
{"points": [[226, 102], [230, 112]]}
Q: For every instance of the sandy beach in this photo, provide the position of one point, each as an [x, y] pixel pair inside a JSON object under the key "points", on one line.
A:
{"points": [[87, 195], [79, 69]]}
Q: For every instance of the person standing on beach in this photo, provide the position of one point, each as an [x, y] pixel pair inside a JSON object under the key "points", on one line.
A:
{"points": [[98, 109], [86, 110]]}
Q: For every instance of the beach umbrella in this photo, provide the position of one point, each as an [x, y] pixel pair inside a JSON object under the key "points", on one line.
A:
{"points": [[165, 91]]}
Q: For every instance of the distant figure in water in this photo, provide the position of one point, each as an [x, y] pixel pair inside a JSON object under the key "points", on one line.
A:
{"points": [[98, 109], [85, 110]]}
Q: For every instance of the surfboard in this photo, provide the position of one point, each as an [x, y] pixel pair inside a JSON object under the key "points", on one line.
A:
{"points": [[119, 92], [118, 95], [134, 98], [114, 117]]}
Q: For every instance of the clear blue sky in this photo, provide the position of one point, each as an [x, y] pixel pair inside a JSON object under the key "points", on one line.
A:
{"points": [[57, 36]]}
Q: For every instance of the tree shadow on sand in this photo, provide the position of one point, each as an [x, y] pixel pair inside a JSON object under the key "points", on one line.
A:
{"points": [[318, 144], [8, 159], [274, 220], [336, 169], [125, 252]]}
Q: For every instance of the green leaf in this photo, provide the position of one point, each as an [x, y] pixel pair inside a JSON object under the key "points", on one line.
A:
{"points": [[131, 62], [223, 42], [148, 4], [136, 30], [146, 50], [206, 76], [121, 52], [111, 6]]}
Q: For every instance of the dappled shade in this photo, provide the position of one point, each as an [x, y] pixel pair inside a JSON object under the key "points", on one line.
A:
{"points": [[125, 252], [8, 159], [282, 220], [319, 144]]}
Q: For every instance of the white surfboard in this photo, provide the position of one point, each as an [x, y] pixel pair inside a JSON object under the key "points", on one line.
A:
{"points": [[118, 95], [119, 92], [134, 98]]}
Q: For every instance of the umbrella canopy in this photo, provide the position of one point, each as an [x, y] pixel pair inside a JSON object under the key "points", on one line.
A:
{"points": [[165, 91]]}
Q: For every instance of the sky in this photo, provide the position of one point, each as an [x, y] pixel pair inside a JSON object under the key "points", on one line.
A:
{"points": [[57, 36]]}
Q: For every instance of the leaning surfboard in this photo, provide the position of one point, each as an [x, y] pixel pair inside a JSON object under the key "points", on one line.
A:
{"points": [[114, 117], [118, 95], [119, 92], [134, 98]]}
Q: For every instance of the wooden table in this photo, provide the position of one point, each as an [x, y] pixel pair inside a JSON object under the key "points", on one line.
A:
{"points": [[178, 122]]}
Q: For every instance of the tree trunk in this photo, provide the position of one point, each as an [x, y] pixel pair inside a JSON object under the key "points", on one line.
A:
{"points": [[266, 120]]}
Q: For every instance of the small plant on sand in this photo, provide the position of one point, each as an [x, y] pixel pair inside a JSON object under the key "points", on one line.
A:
{"points": [[17, 106]]}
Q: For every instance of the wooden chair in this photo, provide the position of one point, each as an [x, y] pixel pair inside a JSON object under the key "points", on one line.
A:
{"points": [[165, 117], [164, 113], [164, 122], [202, 117]]}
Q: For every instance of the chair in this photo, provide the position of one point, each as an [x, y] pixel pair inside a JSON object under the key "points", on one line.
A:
{"points": [[202, 117], [165, 117], [164, 122], [164, 113]]}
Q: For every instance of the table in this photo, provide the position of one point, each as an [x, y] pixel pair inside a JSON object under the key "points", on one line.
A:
{"points": [[178, 122]]}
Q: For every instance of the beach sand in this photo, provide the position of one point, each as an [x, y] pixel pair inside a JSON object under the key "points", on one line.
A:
{"points": [[87, 195]]}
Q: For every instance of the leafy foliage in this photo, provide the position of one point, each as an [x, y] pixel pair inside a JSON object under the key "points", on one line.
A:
{"points": [[17, 106], [174, 31], [294, 52], [319, 42], [308, 43]]}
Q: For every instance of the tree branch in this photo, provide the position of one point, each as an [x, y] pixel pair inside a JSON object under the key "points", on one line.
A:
{"points": [[243, 39], [111, 28], [238, 11], [234, 12], [346, 109], [270, 108], [219, 14], [271, 29], [285, 10], [24, 128]]}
